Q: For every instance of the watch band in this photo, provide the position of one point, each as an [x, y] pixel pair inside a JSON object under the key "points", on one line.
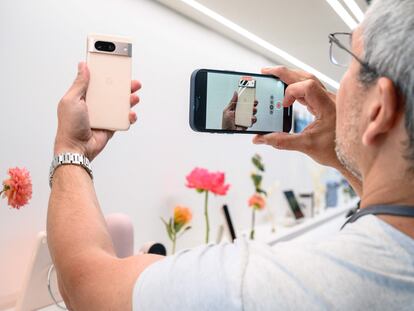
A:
{"points": [[69, 158]]}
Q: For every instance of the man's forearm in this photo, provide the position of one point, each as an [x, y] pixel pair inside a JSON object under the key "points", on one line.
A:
{"points": [[75, 223]]}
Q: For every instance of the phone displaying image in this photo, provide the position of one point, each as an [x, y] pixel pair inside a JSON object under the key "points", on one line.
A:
{"points": [[238, 102], [109, 60]]}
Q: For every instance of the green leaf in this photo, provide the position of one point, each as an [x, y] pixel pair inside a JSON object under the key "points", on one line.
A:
{"points": [[257, 179], [185, 230], [171, 225], [171, 233], [257, 162], [168, 228], [260, 190], [177, 227]]}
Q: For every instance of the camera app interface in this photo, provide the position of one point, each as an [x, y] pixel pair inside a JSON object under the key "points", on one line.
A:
{"points": [[244, 103]]}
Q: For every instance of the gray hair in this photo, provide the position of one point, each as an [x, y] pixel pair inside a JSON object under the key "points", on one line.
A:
{"points": [[388, 34]]}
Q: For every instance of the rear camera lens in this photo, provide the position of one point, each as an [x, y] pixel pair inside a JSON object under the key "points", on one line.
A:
{"points": [[104, 46], [111, 47]]}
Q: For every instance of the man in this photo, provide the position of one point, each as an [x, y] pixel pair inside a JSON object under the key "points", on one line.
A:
{"points": [[368, 265]]}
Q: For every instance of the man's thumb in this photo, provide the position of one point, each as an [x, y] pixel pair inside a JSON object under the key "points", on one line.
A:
{"points": [[233, 101], [80, 85], [232, 104], [283, 141]]}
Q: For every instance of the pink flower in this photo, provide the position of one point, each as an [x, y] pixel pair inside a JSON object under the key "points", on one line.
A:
{"points": [[257, 201], [203, 180], [18, 188]]}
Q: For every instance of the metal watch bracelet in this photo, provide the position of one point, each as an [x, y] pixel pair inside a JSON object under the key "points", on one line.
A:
{"points": [[69, 158]]}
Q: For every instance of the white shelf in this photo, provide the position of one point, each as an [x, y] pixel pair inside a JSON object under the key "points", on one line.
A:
{"points": [[264, 233]]}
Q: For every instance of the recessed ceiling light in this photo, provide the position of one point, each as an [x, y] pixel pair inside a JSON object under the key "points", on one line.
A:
{"points": [[343, 14], [260, 42]]}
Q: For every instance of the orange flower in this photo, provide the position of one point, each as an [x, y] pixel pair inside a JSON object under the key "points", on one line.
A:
{"points": [[18, 188], [182, 215], [257, 201]]}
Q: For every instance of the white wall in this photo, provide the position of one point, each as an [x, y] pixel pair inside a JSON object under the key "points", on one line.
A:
{"points": [[141, 172]]}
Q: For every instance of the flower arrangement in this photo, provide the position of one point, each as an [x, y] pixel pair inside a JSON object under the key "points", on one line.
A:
{"points": [[205, 182], [17, 188], [182, 216], [257, 201]]}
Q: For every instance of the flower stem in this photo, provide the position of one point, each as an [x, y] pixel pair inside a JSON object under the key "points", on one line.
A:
{"points": [[206, 217], [173, 244], [253, 221]]}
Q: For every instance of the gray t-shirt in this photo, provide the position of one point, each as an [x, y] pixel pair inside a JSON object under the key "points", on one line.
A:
{"points": [[368, 265]]}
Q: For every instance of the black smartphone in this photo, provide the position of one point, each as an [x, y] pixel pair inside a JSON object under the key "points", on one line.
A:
{"points": [[238, 102], [229, 223], [293, 204]]}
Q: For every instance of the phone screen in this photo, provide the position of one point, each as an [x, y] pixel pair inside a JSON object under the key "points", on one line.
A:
{"points": [[239, 102]]}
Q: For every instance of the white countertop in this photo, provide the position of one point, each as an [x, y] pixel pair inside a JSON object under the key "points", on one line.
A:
{"points": [[264, 233]]}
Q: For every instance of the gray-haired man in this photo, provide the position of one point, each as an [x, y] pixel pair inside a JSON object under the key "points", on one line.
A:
{"points": [[369, 265]]}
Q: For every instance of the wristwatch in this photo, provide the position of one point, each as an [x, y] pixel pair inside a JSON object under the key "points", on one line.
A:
{"points": [[69, 158]]}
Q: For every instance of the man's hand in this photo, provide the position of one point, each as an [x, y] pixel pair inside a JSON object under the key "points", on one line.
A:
{"points": [[74, 133], [318, 139], [229, 115]]}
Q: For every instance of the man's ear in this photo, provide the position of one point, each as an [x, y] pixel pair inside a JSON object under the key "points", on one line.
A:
{"points": [[383, 110]]}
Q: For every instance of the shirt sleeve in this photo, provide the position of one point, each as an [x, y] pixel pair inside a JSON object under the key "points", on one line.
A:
{"points": [[204, 278]]}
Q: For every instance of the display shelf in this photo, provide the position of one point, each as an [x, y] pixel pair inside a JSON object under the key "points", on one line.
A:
{"points": [[263, 233]]}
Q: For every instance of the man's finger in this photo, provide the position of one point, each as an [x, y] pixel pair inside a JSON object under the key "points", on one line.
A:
{"points": [[294, 92], [132, 117], [80, 85], [308, 93], [134, 99], [135, 86], [241, 128], [233, 102], [283, 141], [290, 76]]}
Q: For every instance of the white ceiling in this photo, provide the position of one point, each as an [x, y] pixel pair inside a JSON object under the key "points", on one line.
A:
{"points": [[299, 27]]}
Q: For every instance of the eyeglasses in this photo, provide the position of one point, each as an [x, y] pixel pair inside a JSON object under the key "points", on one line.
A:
{"points": [[340, 52]]}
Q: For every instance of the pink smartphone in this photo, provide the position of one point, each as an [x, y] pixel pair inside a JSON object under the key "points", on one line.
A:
{"points": [[245, 103], [109, 60]]}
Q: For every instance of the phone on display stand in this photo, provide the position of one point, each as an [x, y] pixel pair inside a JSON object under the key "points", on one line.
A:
{"points": [[238, 102], [109, 60], [229, 224], [294, 204]]}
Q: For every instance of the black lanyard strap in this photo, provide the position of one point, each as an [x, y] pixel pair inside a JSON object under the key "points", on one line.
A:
{"points": [[394, 210]]}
